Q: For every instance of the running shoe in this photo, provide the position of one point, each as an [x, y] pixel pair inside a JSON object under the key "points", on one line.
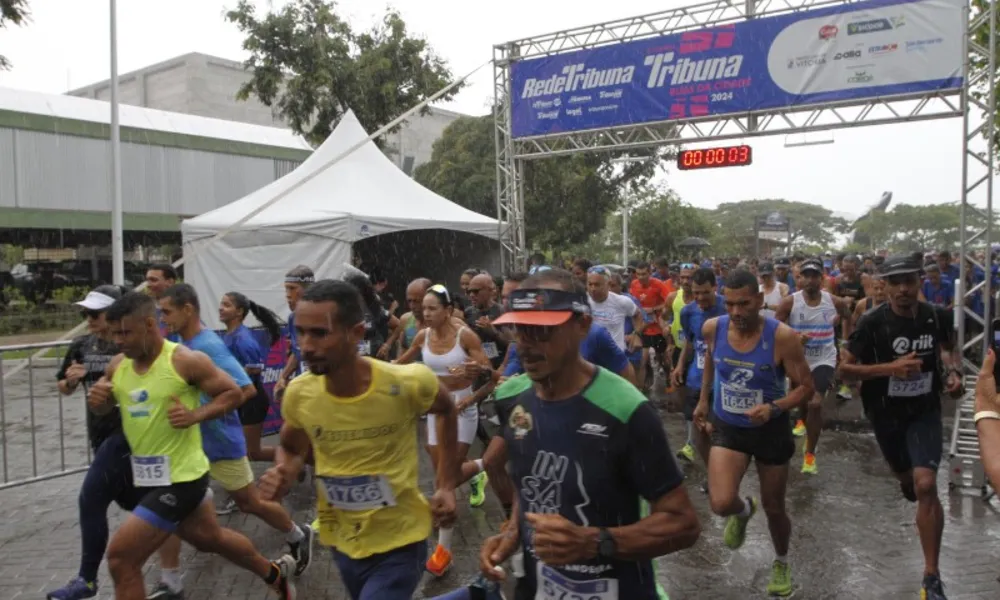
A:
{"points": [[809, 464], [736, 526], [844, 393], [800, 428], [439, 562], [162, 592], [932, 588], [481, 588], [478, 485], [781, 579], [315, 525], [76, 589], [686, 452], [283, 585], [302, 550], [227, 509]]}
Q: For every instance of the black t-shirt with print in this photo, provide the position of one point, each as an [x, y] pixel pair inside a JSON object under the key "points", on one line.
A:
{"points": [[881, 336], [376, 331], [592, 459], [494, 346], [94, 354]]}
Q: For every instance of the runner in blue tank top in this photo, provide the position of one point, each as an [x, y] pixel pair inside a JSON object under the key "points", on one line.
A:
{"points": [[688, 371], [745, 379]]}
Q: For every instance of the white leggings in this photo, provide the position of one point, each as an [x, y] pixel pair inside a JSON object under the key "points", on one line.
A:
{"points": [[468, 421]]}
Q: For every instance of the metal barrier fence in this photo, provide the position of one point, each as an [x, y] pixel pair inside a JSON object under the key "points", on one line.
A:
{"points": [[43, 434]]}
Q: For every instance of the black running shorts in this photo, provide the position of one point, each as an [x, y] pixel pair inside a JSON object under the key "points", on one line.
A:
{"points": [[656, 341], [909, 441], [770, 444], [254, 410], [165, 507]]}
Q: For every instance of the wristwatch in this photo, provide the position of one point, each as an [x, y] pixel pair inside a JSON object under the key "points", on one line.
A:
{"points": [[606, 545]]}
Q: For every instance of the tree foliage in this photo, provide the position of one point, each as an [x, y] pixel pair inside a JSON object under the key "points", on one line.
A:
{"points": [[567, 198], [979, 64], [311, 66], [12, 12], [907, 228], [661, 221], [811, 224]]}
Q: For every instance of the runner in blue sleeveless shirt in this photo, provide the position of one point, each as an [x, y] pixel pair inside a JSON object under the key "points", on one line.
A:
{"points": [[707, 304], [745, 380], [296, 282]]}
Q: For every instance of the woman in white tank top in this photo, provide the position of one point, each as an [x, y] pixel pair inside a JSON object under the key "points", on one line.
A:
{"points": [[445, 347]]}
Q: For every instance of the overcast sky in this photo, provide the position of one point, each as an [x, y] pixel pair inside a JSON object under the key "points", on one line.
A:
{"points": [[66, 46]]}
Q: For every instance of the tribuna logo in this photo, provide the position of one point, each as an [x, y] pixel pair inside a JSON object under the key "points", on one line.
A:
{"points": [[686, 70], [664, 71], [577, 78]]}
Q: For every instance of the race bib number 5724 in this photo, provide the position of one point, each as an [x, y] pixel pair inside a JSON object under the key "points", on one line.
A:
{"points": [[553, 585]]}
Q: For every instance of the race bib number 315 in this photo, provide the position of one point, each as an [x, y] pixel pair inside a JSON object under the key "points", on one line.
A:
{"points": [[363, 492], [151, 471], [553, 585]]}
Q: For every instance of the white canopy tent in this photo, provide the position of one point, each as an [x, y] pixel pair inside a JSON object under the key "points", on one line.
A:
{"points": [[359, 197]]}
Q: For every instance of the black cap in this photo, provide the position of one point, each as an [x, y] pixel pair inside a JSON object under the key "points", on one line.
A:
{"points": [[900, 264], [765, 268], [811, 264], [782, 261]]}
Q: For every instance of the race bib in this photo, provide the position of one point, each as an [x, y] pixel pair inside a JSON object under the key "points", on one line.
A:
{"points": [[490, 348], [814, 351], [363, 492], [151, 471], [740, 401], [919, 385], [553, 585], [365, 348]]}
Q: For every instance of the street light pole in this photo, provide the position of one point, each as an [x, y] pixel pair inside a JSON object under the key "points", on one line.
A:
{"points": [[117, 244], [625, 209]]}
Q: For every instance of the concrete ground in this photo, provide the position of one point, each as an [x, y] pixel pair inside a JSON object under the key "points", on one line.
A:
{"points": [[853, 538]]}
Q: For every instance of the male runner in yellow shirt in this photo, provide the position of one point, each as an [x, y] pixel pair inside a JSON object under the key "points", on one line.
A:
{"points": [[359, 416]]}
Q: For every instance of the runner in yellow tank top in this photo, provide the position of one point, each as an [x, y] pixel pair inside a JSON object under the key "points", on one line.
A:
{"points": [[676, 301], [359, 416], [158, 385]]}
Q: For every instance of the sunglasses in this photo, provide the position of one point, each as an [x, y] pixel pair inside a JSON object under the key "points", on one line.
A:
{"points": [[688, 266], [473, 291], [535, 333], [91, 314]]}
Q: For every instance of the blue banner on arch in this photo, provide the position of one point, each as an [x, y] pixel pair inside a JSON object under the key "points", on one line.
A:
{"points": [[842, 53]]}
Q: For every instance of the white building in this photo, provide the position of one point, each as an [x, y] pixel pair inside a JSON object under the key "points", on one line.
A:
{"points": [[198, 84]]}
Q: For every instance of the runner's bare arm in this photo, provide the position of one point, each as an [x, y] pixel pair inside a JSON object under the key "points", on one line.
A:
{"points": [[792, 356], [413, 351], [198, 370], [447, 434], [783, 289], [293, 450], [844, 310], [473, 346], [784, 309], [100, 399], [672, 525], [397, 332], [291, 366]]}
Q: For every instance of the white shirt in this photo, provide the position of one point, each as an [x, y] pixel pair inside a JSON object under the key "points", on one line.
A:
{"points": [[611, 315]]}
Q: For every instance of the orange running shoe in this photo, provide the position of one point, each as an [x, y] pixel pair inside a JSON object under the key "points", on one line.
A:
{"points": [[439, 562]]}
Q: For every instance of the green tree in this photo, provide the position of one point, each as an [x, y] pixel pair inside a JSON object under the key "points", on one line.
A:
{"points": [[661, 221], [12, 12], [979, 64], [311, 67], [567, 198], [811, 224]]}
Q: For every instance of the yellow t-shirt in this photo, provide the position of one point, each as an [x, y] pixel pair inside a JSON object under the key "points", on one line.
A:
{"points": [[368, 497]]}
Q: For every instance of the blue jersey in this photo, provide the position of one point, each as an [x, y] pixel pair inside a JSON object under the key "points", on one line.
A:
{"points": [[293, 344], [635, 356], [221, 438], [598, 348], [692, 320], [245, 348], [745, 380], [941, 295]]}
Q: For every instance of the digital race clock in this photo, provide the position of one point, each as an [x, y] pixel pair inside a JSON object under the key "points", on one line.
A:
{"points": [[708, 158]]}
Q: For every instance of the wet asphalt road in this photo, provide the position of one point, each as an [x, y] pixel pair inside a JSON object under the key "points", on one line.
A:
{"points": [[853, 534]]}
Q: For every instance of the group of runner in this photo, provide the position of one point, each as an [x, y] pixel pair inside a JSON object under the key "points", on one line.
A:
{"points": [[578, 460]]}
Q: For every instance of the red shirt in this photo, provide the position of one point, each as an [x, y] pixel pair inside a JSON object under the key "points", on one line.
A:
{"points": [[650, 296]]}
